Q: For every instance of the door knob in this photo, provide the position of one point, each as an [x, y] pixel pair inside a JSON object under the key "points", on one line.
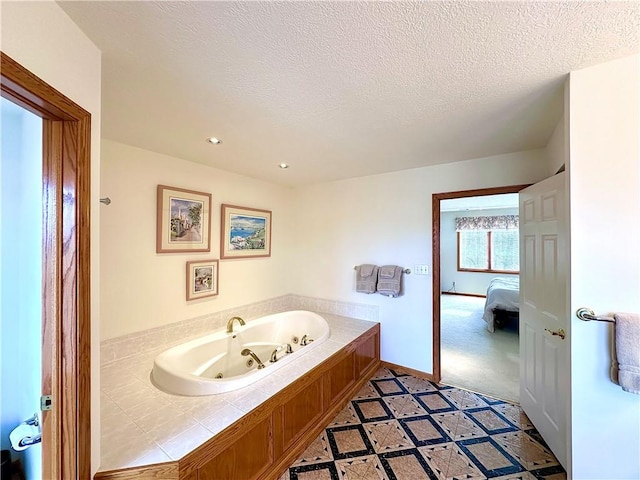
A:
{"points": [[560, 333]]}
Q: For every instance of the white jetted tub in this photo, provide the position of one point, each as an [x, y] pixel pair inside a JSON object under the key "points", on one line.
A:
{"points": [[221, 361]]}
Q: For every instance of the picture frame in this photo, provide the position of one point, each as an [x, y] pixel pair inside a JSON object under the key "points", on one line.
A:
{"points": [[202, 279], [183, 220], [245, 232]]}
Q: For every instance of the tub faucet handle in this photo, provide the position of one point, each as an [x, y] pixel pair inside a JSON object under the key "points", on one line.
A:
{"points": [[278, 349], [274, 354], [305, 340], [250, 353], [230, 323]]}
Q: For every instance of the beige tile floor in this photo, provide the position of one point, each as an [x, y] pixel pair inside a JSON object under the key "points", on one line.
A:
{"points": [[399, 427]]}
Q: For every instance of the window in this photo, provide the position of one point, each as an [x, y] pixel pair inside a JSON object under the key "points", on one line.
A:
{"points": [[488, 243], [489, 250]]}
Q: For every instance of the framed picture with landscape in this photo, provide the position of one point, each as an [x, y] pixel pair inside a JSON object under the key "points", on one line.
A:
{"points": [[183, 221], [202, 279], [245, 232]]}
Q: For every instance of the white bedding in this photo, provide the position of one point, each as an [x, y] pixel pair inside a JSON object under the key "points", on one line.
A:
{"points": [[503, 294]]}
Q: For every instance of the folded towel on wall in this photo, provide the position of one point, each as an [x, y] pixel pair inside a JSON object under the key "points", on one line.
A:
{"points": [[627, 335], [387, 271], [389, 280], [366, 278]]}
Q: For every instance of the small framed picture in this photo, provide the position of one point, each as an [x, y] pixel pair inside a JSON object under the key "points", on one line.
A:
{"points": [[183, 220], [245, 232], [202, 279]]}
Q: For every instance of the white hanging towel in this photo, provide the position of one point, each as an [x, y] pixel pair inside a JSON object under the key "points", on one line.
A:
{"points": [[627, 335], [389, 280]]}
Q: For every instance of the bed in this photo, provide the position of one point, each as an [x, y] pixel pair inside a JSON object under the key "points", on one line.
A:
{"points": [[503, 296]]}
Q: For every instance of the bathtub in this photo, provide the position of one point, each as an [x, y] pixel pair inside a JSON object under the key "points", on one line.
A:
{"points": [[220, 362]]}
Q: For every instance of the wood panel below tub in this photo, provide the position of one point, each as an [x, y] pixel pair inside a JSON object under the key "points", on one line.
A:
{"points": [[263, 443]]}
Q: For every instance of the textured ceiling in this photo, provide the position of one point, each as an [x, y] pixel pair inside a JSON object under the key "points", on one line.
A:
{"points": [[343, 89]]}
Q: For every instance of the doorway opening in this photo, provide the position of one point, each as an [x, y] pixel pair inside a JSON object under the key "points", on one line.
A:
{"points": [[64, 289], [465, 346], [479, 248], [21, 261]]}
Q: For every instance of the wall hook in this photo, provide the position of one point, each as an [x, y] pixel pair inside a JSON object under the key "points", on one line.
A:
{"points": [[105, 200]]}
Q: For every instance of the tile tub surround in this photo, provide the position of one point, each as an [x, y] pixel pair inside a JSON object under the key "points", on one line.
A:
{"points": [[175, 333], [141, 425]]}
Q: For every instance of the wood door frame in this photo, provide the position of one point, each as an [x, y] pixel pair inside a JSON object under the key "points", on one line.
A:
{"points": [[437, 287], [66, 323]]}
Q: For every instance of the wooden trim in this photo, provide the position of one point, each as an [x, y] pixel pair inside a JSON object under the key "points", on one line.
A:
{"points": [[66, 269], [435, 294], [30, 92], [83, 288], [410, 371], [68, 327], [477, 270], [160, 471], [465, 294], [435, 242], [458, 251], [480, 192], [489, 251], [52, 161]]}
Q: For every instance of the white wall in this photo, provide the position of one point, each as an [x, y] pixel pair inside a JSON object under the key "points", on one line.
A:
{"points": [[20, 276], [604, 172], [466, 282], [43, 39], [140, 288], [386, 219]]}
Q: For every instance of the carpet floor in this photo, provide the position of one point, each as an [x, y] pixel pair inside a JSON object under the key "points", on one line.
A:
{"points": [[474, 358]]}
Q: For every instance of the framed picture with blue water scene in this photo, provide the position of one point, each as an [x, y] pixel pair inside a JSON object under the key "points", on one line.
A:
{"points": [[183, 221], [202, 279], [245, 232]]}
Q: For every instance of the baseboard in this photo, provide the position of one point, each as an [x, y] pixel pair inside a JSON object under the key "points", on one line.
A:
{"points": [[410, 371], [465, 294]]}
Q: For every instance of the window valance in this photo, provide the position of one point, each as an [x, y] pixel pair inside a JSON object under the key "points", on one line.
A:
{"points": [[495, 222]]}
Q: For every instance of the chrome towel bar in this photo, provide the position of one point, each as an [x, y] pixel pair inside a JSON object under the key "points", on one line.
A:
{"points": [[587, 315]]}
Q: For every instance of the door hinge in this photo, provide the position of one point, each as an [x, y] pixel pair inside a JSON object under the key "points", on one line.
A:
{"points": [[46, 402]]}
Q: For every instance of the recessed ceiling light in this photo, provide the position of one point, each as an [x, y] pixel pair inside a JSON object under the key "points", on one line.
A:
{"points": [[283, 165], [214, 140]]}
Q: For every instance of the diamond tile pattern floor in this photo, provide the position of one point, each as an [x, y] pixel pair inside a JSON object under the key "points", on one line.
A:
{"points": [[399, 427]]}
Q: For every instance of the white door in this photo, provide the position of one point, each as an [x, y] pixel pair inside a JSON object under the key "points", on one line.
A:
{"points": [[544, 319]]}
